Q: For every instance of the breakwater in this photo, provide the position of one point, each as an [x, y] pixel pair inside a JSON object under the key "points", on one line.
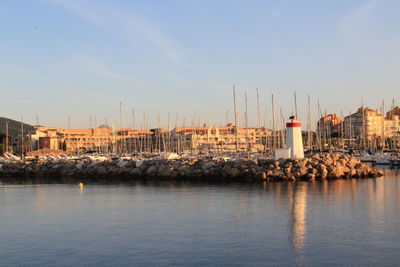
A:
{"points": [[314, 167]]}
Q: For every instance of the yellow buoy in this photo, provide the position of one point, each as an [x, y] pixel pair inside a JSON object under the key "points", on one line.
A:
{"points": [[80, 185]]}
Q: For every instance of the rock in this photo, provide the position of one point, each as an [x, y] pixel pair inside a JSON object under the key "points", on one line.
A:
{"points": [[234, 172], [353, 162], [288, 164], [227, 169], [243, 167], [101, 170], [122, 164], [136, 172], [138, 163], [261, 175], [151, 170], [310, 176], [303, 171]]}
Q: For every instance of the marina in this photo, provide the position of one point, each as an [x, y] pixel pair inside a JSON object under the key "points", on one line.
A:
{"points": [[199, 133]]}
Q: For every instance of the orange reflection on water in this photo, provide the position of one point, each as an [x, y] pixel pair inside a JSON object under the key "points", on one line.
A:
{"points": [[298, 208]]}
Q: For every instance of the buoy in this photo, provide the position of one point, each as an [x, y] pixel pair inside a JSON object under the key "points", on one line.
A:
{"points": [[80, 185], [294, 139]]}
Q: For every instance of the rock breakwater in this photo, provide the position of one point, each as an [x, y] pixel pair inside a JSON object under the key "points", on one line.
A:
{"points": [[315, 167]]}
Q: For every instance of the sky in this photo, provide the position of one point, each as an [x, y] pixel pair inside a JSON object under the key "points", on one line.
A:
{"points": [[82, 58]]}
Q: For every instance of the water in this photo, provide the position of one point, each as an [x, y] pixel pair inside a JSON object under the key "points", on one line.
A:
{"points": [[355, 222]]}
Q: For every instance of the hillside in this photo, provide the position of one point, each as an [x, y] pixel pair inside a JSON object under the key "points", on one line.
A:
{"points": [[14, 127]]}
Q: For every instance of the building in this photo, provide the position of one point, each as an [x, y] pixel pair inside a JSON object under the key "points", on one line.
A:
{"points": [[223, 138], [102, 140], [329, 125], [126, 140], [370, 126], [365, 124]]}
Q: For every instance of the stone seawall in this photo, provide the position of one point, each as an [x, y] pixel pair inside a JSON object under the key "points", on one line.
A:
{"points": [[315, 167]]}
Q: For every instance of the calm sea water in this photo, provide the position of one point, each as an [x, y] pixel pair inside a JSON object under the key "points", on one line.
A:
{"points": [[355, 222]]}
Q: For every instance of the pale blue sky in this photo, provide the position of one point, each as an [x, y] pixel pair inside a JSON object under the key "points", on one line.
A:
{"points": [[81, 57]]}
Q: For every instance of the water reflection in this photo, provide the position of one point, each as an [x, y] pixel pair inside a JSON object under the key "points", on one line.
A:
{"points": [[348, 222], [298, 208]]}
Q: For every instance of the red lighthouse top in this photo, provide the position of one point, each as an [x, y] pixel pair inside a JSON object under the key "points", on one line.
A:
{"points": [[293, 123]]}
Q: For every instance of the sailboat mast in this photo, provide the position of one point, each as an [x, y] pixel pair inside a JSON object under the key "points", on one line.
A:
{"points": [[6, 135], [383, 124], [295, 105], [309, 123], [258, 132], [22, 136], [342, 130], [169, 134], [363, 124], [246, 123], [319, 128], [236, 126], [273, 122]]}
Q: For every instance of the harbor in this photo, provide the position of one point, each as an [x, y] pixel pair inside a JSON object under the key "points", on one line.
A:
{"points": [[199, 133], [162, 155]]}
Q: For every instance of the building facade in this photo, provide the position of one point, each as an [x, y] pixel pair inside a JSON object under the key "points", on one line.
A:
{"points": [[369, 125], [329, 125], [180, 139], [223, 138]]}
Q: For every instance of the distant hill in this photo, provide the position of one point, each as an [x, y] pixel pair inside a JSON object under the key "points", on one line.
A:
{"points": [[14, 127]]}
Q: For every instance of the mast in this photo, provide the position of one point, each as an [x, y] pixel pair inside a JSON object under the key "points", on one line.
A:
{"points": [[283, 129], [350, 131], [37, 128], [393, 143], [98, 139], [363, 124], [258, 131], [319, 128], [193, 138], [309, 124], [119, 144], [133, 140], [158, 141], [342, 130], [383, 124], [69, 132], [273, 123], [145, 133], [169, 134], [91, 132], [6, 135], [246, 124], [236, 126], [22, 136], [265, 129], [295, 105]]}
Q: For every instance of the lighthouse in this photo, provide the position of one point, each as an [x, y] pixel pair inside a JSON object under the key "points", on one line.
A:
{"points": [[293, 138]]}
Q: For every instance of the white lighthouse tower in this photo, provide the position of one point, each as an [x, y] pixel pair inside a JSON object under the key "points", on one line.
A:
{"points": [[293, 139]]}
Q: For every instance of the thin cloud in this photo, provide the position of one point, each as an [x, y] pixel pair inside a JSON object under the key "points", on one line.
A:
{"points": [[127, 26], [95, 66], [355, 22]]}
